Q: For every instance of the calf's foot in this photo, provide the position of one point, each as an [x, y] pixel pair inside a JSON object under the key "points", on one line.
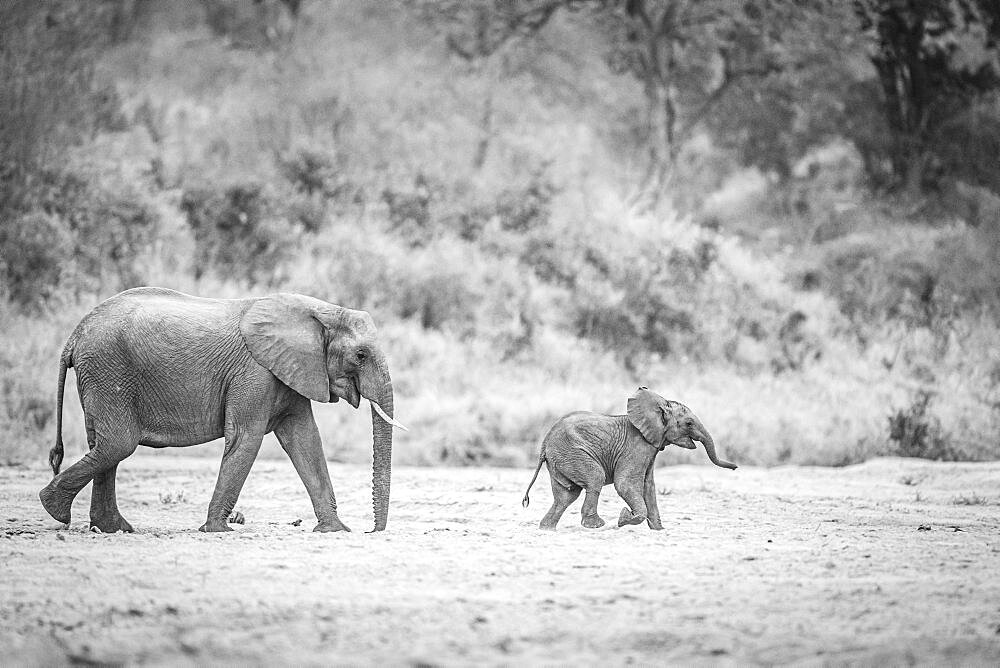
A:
{"points": [[592, 521], [628, 517]]}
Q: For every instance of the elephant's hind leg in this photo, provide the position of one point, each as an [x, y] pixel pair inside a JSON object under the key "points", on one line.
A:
{"points": [[111, 440], [590, 518], [104, 513], [562, 497]]}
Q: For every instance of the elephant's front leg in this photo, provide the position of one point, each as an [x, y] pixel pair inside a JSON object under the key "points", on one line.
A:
{"points": [[242, 443], [649, 494], [299, 437], [630, 488]]}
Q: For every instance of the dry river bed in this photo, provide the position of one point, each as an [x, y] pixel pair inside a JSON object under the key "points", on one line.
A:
{"points": [[889, 562]]}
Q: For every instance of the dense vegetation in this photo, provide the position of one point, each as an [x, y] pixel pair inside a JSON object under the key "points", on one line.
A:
{"points": [[786, 215]]}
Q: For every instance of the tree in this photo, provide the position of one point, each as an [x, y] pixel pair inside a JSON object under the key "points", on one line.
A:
{"points": [[938, 67], [689, 55], [476, 30], [50, 97]]}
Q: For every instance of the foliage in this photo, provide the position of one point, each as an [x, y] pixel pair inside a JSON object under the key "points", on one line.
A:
{"points": [[34, 252], [80, 228], [471, 181], [238, 231], [913, 432], [112, 226], [50, 95], [252, 25], [936, 60]]}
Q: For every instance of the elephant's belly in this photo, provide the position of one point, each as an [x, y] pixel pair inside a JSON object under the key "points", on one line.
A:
{"points": [[169, 417], [178, 439], [179, 429]]}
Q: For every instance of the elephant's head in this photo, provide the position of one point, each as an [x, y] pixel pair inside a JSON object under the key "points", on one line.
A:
{"points": [[661, 421], [327, 353]]}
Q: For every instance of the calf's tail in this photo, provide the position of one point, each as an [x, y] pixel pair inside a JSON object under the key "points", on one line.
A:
{"points": [[541, 460]]}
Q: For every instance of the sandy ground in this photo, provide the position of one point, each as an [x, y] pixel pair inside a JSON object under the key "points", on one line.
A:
{"points": [[882, 563]]}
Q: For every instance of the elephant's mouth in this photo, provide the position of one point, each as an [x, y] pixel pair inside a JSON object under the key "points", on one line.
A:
{"points": [[346, 388]]}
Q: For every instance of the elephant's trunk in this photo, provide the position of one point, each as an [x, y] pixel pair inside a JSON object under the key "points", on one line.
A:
{"points": [[706, 440], [376, 386]]}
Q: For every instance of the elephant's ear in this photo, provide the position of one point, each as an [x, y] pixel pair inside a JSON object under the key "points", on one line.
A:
{"points": [[644, 412], [284, 335]]}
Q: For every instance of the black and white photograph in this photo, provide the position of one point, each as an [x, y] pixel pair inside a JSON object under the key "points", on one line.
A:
{"points": [[500, 333]]}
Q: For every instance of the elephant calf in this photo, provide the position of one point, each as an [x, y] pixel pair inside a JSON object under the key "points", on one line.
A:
{"points": [[586, 451]]}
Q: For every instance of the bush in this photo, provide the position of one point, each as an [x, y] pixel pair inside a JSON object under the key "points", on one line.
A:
{"points": [[645, 305], [115, 228], [34, 251], [519, 210], [252, 25], [410, 210], [50, 96], [526, 208], [914, 432], [313, 173], [238, 233], [98, 232]]}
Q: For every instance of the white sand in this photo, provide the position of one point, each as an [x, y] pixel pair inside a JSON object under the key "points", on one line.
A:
{"points": [[808, 565]]}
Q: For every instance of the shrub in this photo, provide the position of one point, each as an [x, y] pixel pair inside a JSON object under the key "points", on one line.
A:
{"points": [[410, 210], [914, 432], [645, 305], [101, 231], [237, 232], [313, 172], [50, 95], [519, 209], [526, 208], [252, 25], [114, 228], [34, 251]]}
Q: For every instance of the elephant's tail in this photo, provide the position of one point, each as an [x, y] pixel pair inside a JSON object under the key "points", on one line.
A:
{"points": [[65, 362], [541, 460]]}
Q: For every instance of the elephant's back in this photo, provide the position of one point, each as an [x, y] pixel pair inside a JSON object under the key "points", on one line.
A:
{"points": [[154, 319], [583, 427]]}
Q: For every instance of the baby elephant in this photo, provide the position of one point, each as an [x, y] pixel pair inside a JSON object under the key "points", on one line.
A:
{"points": [[587, 451]]}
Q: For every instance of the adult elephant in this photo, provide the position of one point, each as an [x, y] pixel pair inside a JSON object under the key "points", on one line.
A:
{"points": [[160, 368]]}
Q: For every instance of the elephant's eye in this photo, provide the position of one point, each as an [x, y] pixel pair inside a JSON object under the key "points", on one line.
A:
{"points": [[362, 356]]}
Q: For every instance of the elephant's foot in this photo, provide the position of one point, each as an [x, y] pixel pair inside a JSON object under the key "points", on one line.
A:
{"points": [[592, 521], [628, 517], [111, 523], [328, 526], [56, 503], [655, 526], [214, 526], [236, 517]]}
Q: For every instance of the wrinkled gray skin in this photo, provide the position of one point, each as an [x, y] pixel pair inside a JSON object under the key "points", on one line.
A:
{"points": [[163, 369], [586, 451]]}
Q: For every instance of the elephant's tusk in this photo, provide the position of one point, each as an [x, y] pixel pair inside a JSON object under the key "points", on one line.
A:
{"points": [[381, 414]]}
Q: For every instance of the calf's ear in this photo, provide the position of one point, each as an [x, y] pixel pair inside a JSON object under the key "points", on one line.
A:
{"points": [[645, 414]]}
